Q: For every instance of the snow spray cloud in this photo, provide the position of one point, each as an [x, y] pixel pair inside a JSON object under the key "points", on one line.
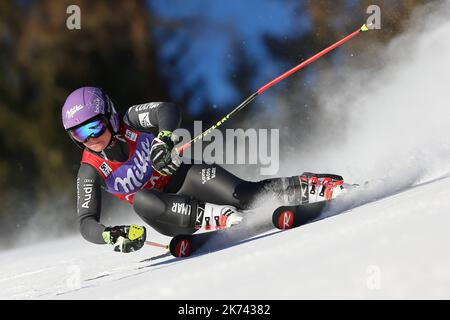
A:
{"points": [[382, 117], [389, 121]]}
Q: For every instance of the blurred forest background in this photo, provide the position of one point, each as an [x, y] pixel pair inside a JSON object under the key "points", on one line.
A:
{"points": [[207, 56]]}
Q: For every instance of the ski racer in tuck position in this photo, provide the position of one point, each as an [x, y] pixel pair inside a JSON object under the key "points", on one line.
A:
{"points": [[133, 157]]}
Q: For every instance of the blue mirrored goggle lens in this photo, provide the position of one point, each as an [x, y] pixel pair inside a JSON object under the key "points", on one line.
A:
{"points": [[92, 129]]}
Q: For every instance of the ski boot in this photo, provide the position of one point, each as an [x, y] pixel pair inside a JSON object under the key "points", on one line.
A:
{"points": [[216, 217], [318, 187], [306, 188]]}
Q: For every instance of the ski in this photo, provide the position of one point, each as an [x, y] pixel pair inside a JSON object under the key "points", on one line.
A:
{"points": [[283, 218], [184, 245], [288, 217]]}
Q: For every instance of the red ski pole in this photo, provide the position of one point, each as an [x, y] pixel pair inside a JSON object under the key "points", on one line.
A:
{"points": [[156, 244], [271, 83]]}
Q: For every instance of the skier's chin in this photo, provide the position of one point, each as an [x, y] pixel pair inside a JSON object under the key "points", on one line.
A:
{"points": [[97, 147]]}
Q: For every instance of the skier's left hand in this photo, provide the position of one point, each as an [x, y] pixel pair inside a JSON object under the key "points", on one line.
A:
{"points": [[163, 155], [125, 238]]}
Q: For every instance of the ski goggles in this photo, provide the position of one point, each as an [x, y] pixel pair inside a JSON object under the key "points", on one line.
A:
{"points": [[93, 129]]}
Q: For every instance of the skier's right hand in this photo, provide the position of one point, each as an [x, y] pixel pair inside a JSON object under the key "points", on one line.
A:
{"points": [[125, 238]]}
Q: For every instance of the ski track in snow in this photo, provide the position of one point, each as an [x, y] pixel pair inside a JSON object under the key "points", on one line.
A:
{"points": [[393, 247]]}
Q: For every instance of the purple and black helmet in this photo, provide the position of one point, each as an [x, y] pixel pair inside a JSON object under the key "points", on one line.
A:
{"points": [[87, 103]]}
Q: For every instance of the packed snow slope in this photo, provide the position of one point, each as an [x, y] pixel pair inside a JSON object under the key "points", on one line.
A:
{"points": [[392, 247]]}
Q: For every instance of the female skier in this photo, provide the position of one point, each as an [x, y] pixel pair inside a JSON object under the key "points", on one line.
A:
{"points": [[133, 157]]}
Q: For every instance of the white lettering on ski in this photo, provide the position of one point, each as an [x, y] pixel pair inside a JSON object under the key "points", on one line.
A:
{"points": [[287, 218], [183, 248]]}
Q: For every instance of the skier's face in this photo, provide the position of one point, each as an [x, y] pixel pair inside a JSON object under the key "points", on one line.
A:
{"points": [[100, 143]]}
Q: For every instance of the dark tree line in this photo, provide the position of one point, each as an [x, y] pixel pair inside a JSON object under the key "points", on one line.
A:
{"points": [[41, 63]]}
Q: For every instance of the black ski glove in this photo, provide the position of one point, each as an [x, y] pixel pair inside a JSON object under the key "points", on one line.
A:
{"points": [[163, 155], [125, 238]]}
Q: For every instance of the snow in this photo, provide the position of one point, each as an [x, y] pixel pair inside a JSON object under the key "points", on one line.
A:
{"points": [[392, 248]]}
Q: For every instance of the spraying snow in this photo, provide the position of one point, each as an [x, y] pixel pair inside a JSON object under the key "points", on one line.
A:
{"points": [[390, 121]]}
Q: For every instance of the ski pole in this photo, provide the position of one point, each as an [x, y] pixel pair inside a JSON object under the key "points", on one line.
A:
{"points": [[156, 244], [270, 84]]}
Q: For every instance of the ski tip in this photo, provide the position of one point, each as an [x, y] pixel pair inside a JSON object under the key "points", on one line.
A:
{"points": [[364, 28], [284, 220], [182, 248]]}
